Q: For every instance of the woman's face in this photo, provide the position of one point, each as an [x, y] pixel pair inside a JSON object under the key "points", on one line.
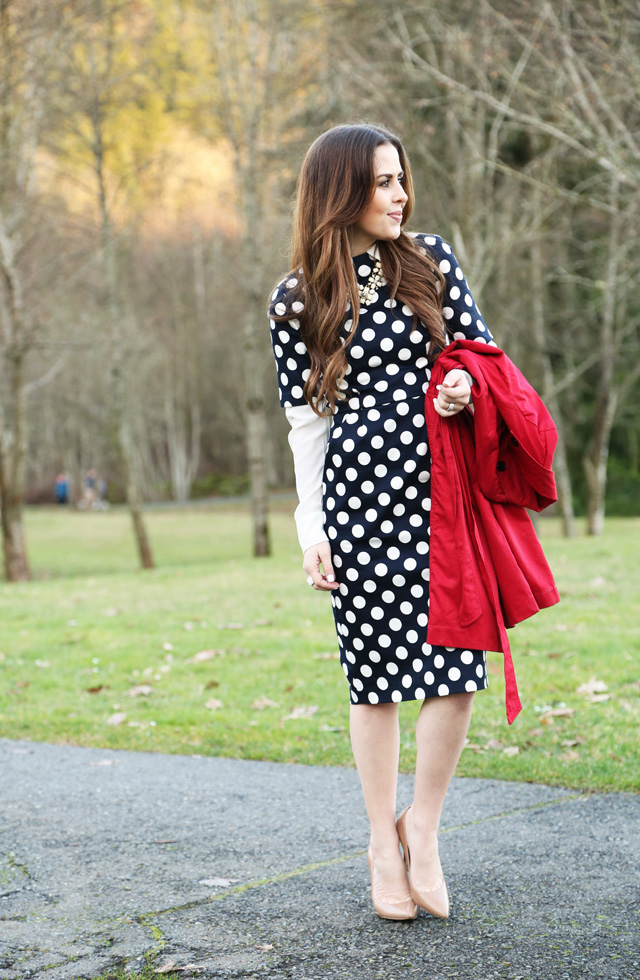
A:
{"points": [[381, 220]]}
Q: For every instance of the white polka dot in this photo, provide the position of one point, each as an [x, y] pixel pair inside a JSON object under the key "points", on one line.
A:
{"points": [[381, 385], [364, 269], [374, 657], [384, 640], [406, 608], [447, 312], [386, 527], [356, 351], [377, 613], [438, 661], [296, 391], [386, 344], [384, 499], [402, 653], [404, 354], [377, 442], [417, 664], [380, 569], [466, 657], [352, 574], [429, 678], [404, 537], [453, 674], [480, 670], [410, 564], [468, 299], [379, 317], [369, 586], [348, 445], [393, 553], [390, 425], [351, 473], [371, 514], [367, 486], [465, 319], [415, 520], [363, 378], [359, 602], [422, 548], [392, 667], [375, 543], [459, 273], [454, 292], [410, 466], [396, 696], [399, 580], [411, 493], [357, 531], [366, 629], [443, 690], [393, 454], [397, 482], [342, 517], [363, 558], [406, 438], [470, 686], [375, 361], [399, 510], [392, 369], [373, 415], [407, 680], [412, 636], [354, 503], [382, 683], [400, 395], [366, 671], [370, 334], [423, 619], [398, 326], [395, 624]]}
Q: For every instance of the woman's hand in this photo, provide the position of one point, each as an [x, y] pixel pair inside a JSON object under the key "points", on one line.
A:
{"points": [[454, 393], [319, 555]]}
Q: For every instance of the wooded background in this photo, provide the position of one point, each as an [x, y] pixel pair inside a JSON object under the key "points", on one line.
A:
{"points": [[148, 157]]}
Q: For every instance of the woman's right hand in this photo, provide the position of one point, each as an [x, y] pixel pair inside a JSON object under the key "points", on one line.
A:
{"points": [[316, 562]]}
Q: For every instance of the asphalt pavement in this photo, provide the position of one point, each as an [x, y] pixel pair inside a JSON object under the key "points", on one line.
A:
{"points": [[220, 868]]}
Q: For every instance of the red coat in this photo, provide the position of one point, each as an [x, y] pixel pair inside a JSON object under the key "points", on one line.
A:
{"points": [[487, 567]]}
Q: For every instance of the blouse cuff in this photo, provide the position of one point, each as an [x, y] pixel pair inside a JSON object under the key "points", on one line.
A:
{"points": [[308, 439]]}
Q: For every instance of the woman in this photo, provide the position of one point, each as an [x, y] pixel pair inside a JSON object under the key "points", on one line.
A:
{"points": [[355, 327]]}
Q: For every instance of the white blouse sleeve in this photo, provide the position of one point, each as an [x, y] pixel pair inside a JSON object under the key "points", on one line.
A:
{"points": [[308, 440]]}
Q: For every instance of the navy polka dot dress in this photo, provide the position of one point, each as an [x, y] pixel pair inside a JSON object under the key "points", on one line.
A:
{"points": [[377, 492]]}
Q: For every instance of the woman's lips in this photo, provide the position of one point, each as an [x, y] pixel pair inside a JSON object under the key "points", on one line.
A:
{"points": [[395, 215]]}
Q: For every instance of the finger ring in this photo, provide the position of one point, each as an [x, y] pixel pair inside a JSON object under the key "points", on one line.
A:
{"points": [[309, 580], [450, 407]]}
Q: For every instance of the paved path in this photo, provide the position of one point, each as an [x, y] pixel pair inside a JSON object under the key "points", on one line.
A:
{"points": [[254, 869]]}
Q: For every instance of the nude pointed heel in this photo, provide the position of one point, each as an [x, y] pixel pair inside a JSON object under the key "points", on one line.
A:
{"points": [[432, 900], [389, 908]]}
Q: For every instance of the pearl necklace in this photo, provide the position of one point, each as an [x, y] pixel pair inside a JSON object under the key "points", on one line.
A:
{"points": [[371, 286]]}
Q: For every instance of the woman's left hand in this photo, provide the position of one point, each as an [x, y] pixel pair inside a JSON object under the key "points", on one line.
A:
{"points": [[454, 393]]}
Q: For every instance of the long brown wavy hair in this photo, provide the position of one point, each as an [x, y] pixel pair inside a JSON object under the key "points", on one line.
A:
{"points": [[337, 181]]}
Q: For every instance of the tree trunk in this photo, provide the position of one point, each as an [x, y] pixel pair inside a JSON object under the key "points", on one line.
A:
{"points": [[560, 462], [596, 457], [133, 496]]}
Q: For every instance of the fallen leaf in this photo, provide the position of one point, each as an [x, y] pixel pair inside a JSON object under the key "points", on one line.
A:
{"points": [[546, 720], [116, 719], [554, 656], [168, 646], [592, 686], [211, 684], [167, 967], [112, 612], [104, 762], [189, 626], [205, 655], [331, 728], [214, 704], [511, 750], [326, 656], [43, 663], [261, 703], [570, 742], [140, 690], [97, 689], [170, 840], [217, 882], [301, 713], [494, 743], [561, 628], [473, 746], [597, 582], [536, 731], [556, 713], [595, 698], [231, 626], [265, 947], [571, 755]]}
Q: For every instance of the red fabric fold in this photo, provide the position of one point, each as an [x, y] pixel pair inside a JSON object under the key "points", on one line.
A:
{"points": [[488, 570]]}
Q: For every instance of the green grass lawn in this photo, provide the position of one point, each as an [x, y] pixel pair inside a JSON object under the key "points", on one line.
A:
{"points": [[94, 652]]}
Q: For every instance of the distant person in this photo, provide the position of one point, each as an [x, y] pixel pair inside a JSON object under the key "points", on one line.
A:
{"points": [[422, 568], [61, 489], [90, 488]]}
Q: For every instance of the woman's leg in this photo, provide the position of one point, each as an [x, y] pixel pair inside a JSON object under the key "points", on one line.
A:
{"points": [[441, 730], [375, 739]]}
